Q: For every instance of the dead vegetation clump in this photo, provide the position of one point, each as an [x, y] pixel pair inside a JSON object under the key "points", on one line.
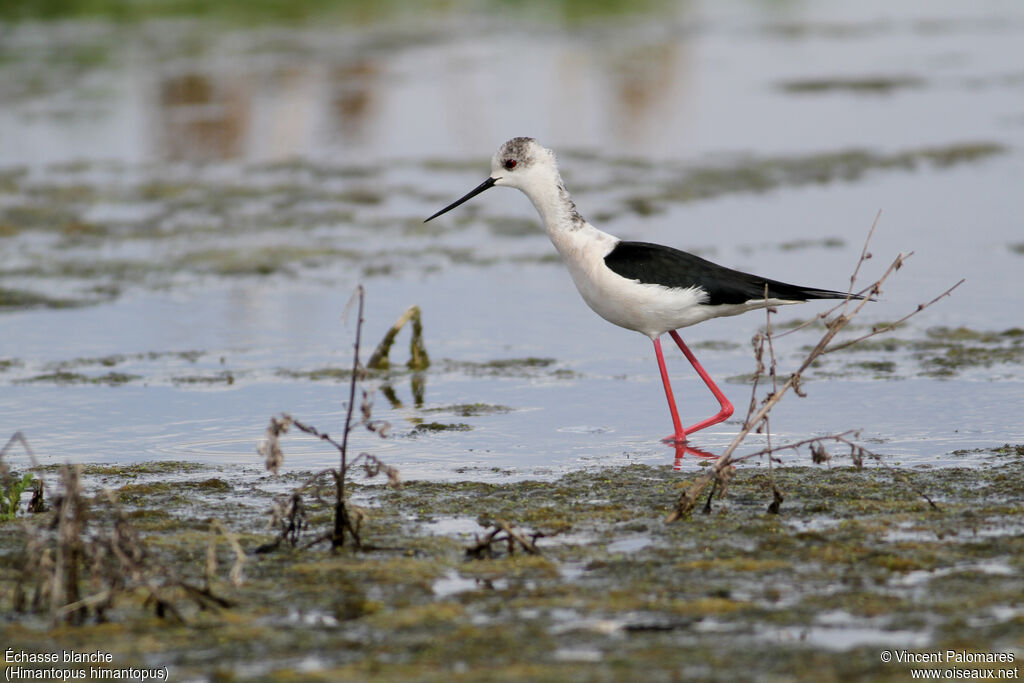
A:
{"points": [[83, 555]]}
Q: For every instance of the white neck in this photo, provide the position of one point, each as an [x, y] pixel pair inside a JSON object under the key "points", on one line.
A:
{"points": [[556, 208], [575, 239]]}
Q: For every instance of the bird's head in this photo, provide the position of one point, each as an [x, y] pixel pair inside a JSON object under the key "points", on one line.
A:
{"points": [[521, 163]]}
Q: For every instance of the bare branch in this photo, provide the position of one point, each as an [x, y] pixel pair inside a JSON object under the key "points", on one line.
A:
{"points": [[512, 538], [864, 255], [882, 329]]}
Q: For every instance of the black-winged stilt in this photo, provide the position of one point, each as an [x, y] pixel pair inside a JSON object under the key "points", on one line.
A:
{"points": [[644, 287]]}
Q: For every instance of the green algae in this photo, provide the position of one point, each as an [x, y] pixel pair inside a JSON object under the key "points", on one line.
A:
{"points": [[937, 352], [157, 467], [941, 352], [115, 359], [880, 85], [470, 409], [20, 299], [877, 365], [335, 374], [155, 228], [823, 243], [504, 367], [761, 174], [82, 370], [856, 545], [222, 377], [63, 377], [433, 427], [9, 363]]}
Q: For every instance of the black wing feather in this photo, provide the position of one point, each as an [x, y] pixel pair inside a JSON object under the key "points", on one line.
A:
{"points": [[660, 265]]}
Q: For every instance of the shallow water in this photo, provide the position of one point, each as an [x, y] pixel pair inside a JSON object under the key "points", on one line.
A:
{"points": [[185, 211]]}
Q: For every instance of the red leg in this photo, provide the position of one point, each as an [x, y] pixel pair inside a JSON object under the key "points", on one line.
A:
{"points": [[679, 436], [727, 408]]}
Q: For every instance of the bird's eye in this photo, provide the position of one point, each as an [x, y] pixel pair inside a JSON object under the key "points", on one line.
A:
{"points": [[509, 164]]}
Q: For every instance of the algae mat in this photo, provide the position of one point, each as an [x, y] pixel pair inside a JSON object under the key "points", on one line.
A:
{"points": [[856, 567]]}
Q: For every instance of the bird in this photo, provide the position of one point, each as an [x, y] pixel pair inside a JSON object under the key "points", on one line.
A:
{"points": [[648, 288]]}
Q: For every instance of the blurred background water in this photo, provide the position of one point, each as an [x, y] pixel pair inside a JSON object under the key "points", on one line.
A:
{"points": [[190, 192]]}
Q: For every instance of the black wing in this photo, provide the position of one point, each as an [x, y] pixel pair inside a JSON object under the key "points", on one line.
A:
{"points": [[659, 265]]}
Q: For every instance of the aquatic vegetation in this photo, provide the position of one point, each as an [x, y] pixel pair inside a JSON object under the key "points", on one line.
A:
{"points": [[823, 243], [65, 377], [90, 232], [508, 367], [882, 85], [429, 427], [941, 352], [19, 299], [868, 556], [418, 358], [470, 409], [222, 377], [317, 374], [12, 486], [760, 174]]}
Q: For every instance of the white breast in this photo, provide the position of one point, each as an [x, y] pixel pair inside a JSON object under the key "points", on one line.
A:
{"points": [[649, 309]]}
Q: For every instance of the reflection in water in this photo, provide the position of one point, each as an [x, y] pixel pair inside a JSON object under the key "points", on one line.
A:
{"points": [[221, 116], [644, 83], [682, 450], [353, 98], [418, 383], [269, 111], [200, 118], [448, 93]]}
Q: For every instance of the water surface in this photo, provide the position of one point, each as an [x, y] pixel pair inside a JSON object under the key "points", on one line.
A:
{"points": [[186, 206]]}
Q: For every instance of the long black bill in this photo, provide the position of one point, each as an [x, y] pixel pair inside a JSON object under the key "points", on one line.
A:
{"points": [[485, 185]]}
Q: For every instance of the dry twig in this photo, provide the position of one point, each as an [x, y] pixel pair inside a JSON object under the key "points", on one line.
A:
{"points": [[503, 533], [290, 516]]}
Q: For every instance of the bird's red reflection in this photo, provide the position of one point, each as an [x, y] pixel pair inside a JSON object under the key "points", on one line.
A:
{"points": [[683, 450]]}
